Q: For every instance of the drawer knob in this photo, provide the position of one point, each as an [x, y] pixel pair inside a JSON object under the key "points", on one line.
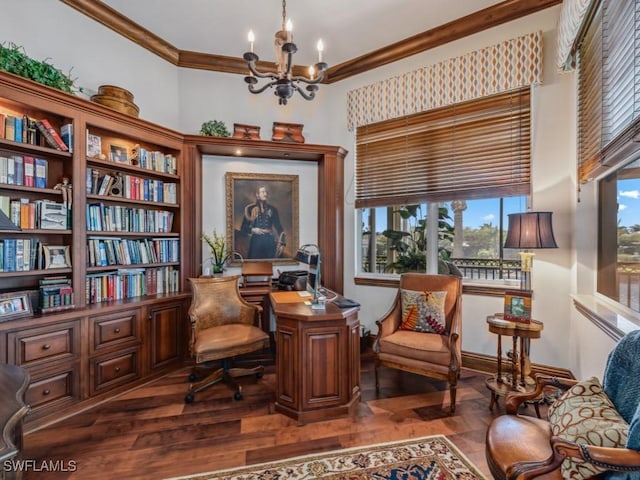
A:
{"points": [[116, 330], [117, 369], [46, 346], [46, 392]]}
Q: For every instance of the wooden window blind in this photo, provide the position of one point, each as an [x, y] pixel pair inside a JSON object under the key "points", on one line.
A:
{"points": [[608, 88], [476, 149]]}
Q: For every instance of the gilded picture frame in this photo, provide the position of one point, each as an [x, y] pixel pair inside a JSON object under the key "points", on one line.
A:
{"points": [[262, 217]]}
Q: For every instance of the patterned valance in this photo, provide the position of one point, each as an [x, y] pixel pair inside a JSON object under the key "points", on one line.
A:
{"points": [[571, 17], [498, 68]]}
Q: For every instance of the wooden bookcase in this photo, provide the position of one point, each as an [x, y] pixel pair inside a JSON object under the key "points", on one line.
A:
{"points": [[117, 334]]}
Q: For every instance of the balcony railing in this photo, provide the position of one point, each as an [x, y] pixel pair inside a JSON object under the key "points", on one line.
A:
{"points": [[475, 268]]}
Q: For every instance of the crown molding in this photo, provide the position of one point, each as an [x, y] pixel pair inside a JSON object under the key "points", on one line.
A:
{"points": [[476, 22]]}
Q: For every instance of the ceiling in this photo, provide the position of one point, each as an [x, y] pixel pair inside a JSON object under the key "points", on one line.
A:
{"points": [[357, 34]]}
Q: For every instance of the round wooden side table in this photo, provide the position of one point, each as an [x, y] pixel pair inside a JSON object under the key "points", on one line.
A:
{"points": [[517, 378]]}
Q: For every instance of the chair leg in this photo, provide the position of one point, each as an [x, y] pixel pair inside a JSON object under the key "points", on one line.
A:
{"points": [[452, 395], [377, 366]]}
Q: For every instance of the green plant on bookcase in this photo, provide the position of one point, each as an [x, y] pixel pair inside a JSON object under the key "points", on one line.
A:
{"points": [[14, 59]]}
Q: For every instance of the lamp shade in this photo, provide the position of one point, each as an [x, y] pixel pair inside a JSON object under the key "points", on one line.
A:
{"points": [[530, 230]]}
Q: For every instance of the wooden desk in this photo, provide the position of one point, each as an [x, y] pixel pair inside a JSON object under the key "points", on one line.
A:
{"points": [[518, 379], [14, 381], [317, 359]]}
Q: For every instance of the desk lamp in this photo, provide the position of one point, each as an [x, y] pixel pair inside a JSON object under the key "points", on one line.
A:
{"points": [[309, 254], [526, 231]]}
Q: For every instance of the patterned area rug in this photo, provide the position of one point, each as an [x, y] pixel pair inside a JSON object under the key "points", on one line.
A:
{"points": [[427, 458]]}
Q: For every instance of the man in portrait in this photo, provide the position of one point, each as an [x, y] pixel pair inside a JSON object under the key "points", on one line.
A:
{"points": [[261, 221]]}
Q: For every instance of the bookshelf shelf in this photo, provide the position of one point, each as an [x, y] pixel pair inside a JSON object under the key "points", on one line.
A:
{"points": [[111, 268], [132, 201], [36, 273], [108, 165]]}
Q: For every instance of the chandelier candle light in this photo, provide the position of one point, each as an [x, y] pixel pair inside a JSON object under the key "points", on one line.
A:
{"points": [[285, 83]]}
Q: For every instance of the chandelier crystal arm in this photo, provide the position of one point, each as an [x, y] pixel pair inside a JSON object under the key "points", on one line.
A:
{"points": [[252, 89]]}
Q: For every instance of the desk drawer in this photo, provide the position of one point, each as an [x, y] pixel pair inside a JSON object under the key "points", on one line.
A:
{"points": [[117, 369], [46, 344], [114, 329]]}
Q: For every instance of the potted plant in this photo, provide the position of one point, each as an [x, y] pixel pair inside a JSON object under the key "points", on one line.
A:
{"points": [[219, 253], [214, 128], [13, 59]]}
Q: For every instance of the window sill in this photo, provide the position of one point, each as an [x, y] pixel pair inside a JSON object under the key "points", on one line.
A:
{"points": [[612, 320], [468, 288]]}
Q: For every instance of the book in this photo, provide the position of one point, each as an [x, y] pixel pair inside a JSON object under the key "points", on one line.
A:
{"points": [[17, 130], [53, 216], [18, 161], [66, 133], [32, 137], [2, 120], [51, 136], [29, 172], [94, 145], [41, 171], [9, 127]]}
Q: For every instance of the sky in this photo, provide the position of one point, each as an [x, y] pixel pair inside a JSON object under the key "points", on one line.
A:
{"points": [[629, 202]]}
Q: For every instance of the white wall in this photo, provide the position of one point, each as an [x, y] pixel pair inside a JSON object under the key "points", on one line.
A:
{"points": [[184, 98]]}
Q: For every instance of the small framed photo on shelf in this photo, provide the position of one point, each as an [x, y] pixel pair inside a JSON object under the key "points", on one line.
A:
{"points": [[15, 305], [56, 256], [517, 305], [119, 154]]}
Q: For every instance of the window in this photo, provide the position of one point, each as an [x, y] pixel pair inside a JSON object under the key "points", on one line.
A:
{"points": [[470, 162], [619, 258], [470, 235], [609, 129]]}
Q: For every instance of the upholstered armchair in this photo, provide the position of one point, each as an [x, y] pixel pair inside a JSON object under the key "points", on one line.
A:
{"points": [[593, 430], [421, 333], [222, 327]]}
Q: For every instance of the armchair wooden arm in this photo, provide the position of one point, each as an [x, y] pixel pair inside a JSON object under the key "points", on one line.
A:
{"points": [[514, 400]]}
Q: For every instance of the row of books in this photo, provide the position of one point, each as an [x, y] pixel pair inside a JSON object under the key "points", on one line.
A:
{"points": [[24, 129], [20, 255], [103, 252], [130, 186], [106, 286], [154, 160], [37, 214], [23, 170], [118, 218], [56, 293]]}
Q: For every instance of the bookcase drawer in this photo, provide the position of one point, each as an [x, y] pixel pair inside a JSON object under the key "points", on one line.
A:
{"points": [[117, 369], [115, 329], [50, 389], [35, 346]]}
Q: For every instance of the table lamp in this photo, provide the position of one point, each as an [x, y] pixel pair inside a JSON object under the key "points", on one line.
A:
{"points": [[528, 231], [309, 254]]}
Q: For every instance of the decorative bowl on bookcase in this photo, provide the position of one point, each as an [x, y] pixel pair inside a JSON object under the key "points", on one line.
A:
{"points": [[117, 98]]}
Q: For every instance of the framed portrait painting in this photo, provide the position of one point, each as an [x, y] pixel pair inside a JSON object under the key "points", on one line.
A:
{"points": [[262, 216]]}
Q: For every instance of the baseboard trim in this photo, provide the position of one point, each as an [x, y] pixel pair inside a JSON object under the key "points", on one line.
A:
{"points": [[489, 364]]}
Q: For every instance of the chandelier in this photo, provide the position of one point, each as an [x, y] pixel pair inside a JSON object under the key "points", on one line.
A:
{"points": [[284, 82]]}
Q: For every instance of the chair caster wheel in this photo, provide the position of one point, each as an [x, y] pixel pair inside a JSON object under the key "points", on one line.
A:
{"points": [[188, 398], [237, 396], [192, 377], [259, 374]]}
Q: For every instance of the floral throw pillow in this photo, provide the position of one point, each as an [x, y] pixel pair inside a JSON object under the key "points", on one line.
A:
{"points": [[423, 311], [585, 415]]}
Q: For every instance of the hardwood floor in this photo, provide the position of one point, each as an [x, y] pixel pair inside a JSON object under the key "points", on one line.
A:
{"points": [[150, 433]]}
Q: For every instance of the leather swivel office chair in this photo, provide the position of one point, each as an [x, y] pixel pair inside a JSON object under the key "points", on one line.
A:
{"points": [[222, 327], [436, 355]]}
